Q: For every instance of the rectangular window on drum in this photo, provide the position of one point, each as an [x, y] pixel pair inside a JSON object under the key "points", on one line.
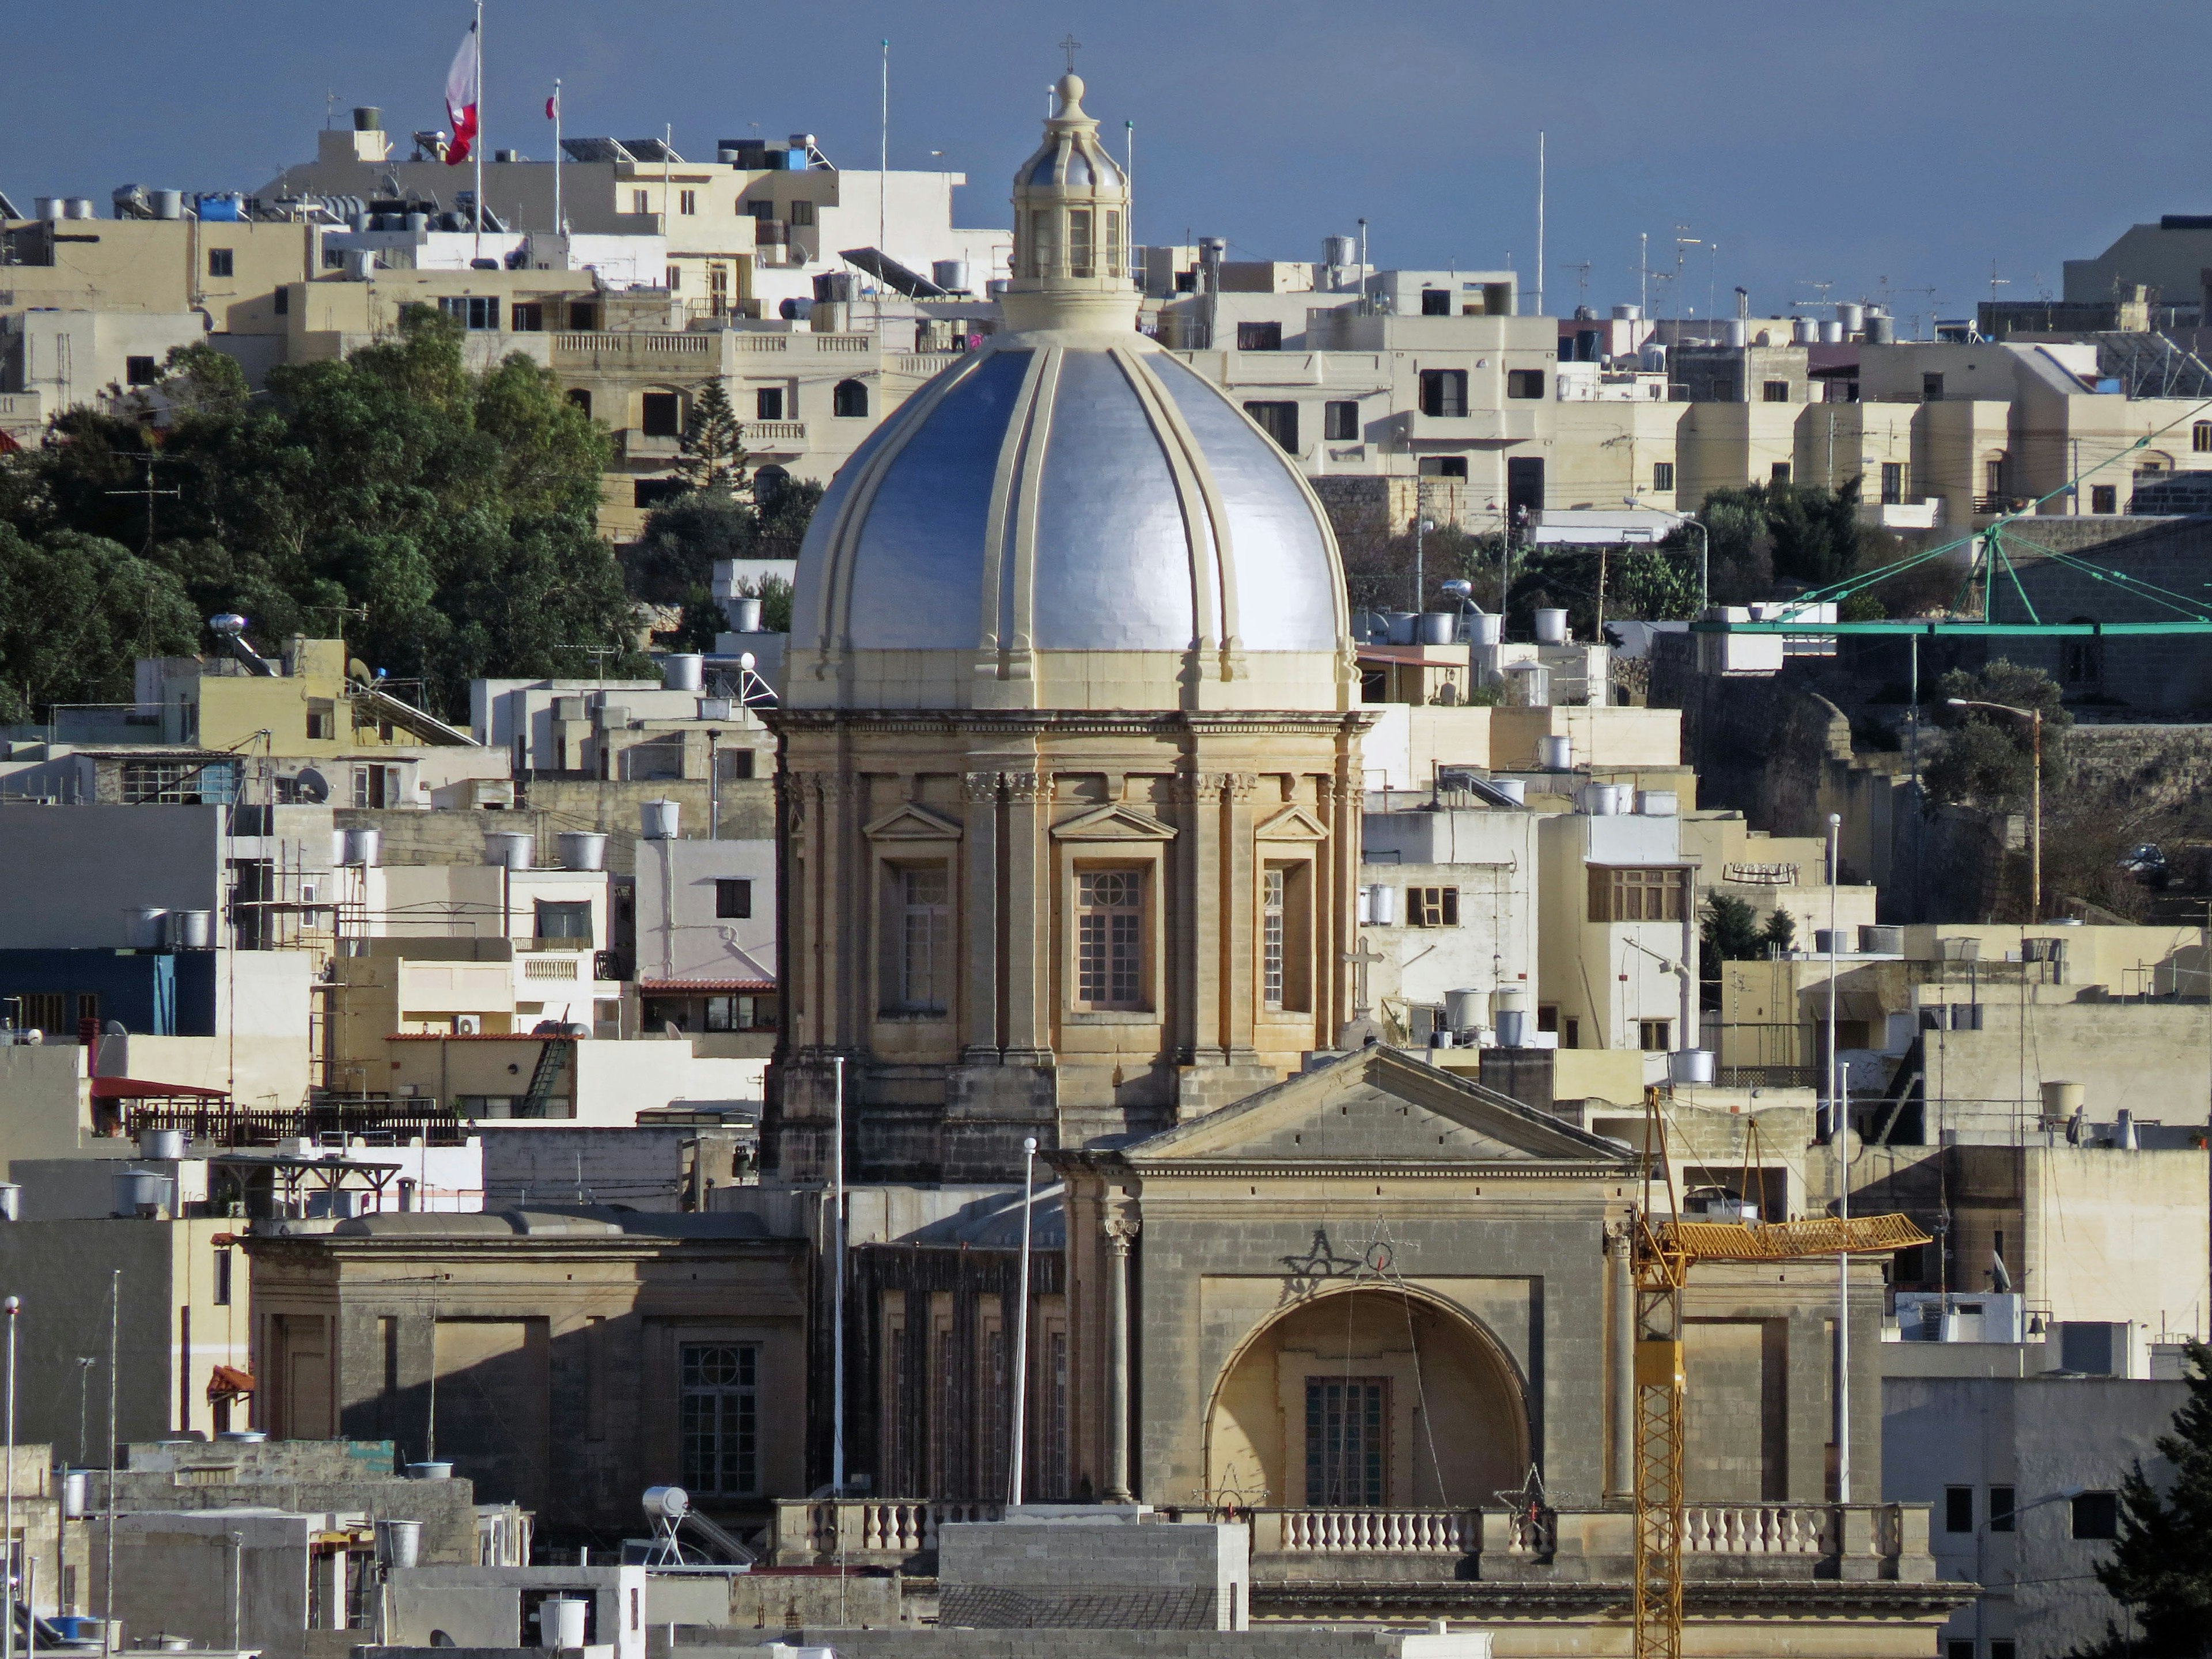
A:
{"points": [[1347, 1437], [1110, 248], [1044, 244], [1078, 242], [1110, 939], [920, 925], [1271, 910]]}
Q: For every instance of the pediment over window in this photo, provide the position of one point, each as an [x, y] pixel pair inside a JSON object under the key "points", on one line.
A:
{"points": [[1292, 823], [1125, 824], [912, 823]]}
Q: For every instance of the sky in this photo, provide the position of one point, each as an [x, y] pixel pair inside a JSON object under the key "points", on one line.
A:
{"points": [[1900, 151]]}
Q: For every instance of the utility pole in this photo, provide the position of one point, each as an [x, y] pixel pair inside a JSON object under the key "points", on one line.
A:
{"points": [[1540, 223]]}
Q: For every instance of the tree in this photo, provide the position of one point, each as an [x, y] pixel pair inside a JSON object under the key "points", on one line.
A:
{"points": [[1730, 930], [2160, 1568], [456, 507], [712, 455], [1816, 533], [1780, 934], [75, 610], [1986, 755]]}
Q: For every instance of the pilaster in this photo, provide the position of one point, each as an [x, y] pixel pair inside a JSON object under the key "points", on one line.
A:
{"points": [[1028, 865], [980, 920]]}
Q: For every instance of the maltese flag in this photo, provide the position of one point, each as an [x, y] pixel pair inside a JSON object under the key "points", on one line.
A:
{"points": [[463, 86]]}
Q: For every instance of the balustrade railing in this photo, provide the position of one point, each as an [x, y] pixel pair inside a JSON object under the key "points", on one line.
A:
{"points": [[1379, 1531], [1759, 1529]]}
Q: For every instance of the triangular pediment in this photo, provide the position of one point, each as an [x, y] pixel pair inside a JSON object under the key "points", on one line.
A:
{"points": [[1376, 1106], [910, 821], [1113, 823], [1292, 823]]}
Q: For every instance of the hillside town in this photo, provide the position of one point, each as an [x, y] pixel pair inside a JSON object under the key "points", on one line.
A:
{"points": [[689, 850]]}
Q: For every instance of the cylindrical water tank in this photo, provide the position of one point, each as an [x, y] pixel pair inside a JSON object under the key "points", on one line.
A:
{"points": [[368, 118], [76, 1493], [144, 926], [1380, 900], [415, 224], [1851, 315], [657, 819], [583, 850], [1803, 331], [745, 616], [1831, 332], [682, 671], [1551, 626], [667, 1503], [161, 1145], [166, 204], [1628, 314], [1339, 250], [1403, 624], [1734, 331], [1652, 359], [509, 849], [1437, 628], [399, 1543], [11, 1201], [361, 847], [1514, 789], [242, 1437], [1690, 1066], [1658, 803], [1483, 628], [1555, 754], [1836, 941], [951, 275], [561, 1622], [440, 1470], [1880, 329], [191, 930], [2061, 1101], [1465, 1011], [1881, 941], [1512, 1027], [1598, 800], [137, 1191], [78, 207], [47, 207]]}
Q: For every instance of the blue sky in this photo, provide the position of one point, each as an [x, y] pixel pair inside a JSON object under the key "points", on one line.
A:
{"points": [[1862, 145]]}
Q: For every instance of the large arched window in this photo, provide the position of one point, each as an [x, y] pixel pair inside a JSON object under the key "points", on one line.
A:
{"points": [[850, 397]]}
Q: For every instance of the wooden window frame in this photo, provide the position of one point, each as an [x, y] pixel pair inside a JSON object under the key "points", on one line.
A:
{"points": [[1611, 884]]}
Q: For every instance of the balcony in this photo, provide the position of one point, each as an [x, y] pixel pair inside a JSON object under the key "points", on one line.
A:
{"points": [[787, 437], [1298, 1553], [658, 350], [1476, 426]]}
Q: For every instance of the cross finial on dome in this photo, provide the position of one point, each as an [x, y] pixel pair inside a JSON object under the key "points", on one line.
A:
{"points": [[1071, 46]]}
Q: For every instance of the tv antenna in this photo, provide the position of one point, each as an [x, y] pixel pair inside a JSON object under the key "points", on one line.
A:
{"points": [[1581, 270], [147, 493]]}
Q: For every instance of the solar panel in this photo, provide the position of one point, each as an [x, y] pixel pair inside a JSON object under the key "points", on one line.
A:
{"points": [[596, 150], [651, 149]]}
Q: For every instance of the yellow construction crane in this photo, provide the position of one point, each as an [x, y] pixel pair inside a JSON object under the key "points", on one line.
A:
{"points": [[1664, 1251]]}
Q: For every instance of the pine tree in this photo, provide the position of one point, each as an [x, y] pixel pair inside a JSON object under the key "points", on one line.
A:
{"points": [[713, 452], [2162, 1567]]}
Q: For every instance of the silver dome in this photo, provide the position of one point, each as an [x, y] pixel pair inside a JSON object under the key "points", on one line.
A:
{"points": [[1068, 494]]}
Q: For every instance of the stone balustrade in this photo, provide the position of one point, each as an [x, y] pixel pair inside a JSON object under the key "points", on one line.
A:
{"points": [[1864, 1542]]}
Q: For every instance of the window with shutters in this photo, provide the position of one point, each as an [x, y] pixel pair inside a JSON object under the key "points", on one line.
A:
{"points": [[661, 415], [1432, 907], [1279, 420], [1109, 939], [1341, 421], [2200, 437], [849, 399], [687, 201], [1892, 483], [527, 317], [1347, 1435], [918, 939], [1774, 391], [1627, 893], [1655, 1037], [1524, 383], [1259, 337], [1663, 478], [1443, 392], [733, 899]]}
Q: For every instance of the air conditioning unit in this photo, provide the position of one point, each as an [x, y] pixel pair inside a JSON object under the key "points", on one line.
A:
{"points": [[468, 1025]]}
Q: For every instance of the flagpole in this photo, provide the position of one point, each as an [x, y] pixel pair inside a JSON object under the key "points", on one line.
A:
{"points": [[560, 226], [476, 152]]}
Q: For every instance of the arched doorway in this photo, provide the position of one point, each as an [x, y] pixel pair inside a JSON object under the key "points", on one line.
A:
{"points": [[1374, 1396]]}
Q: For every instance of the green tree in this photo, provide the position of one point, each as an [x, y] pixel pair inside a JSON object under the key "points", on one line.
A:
{"points": [[1816, 533], [456, 507], [75, 610], [2160, 1568], [712, 448], [1985, 755], [1780, 934], [1730, 929]]}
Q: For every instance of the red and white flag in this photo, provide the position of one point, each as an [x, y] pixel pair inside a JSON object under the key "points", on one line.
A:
{"points": [[463, 86], [553, 107]]}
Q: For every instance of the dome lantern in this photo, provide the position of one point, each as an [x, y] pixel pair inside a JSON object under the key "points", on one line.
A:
{"points": [[1070, 268]]}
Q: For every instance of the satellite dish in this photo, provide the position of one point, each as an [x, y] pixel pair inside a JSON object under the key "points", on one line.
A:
{"points": [[314, 788], [357, 671]]}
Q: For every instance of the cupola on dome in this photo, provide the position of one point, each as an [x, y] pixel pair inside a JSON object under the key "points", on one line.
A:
{"points": [[1070, 518]]}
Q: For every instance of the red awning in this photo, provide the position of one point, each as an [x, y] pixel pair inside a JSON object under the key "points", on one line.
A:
{"points": [[132, 1088], [229, 1382]]}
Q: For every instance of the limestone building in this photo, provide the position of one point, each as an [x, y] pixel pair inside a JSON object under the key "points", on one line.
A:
{"points": [[1069, 739]]}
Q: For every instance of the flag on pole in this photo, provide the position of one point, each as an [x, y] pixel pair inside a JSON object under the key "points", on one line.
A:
{"points": [[553, 107], [463, 86]]}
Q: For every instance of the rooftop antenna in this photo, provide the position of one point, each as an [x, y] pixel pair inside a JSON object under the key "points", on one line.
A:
{"points": [[1996, 282], [1540, 221], [146, 493], [1809, 281], [1581, 270]]}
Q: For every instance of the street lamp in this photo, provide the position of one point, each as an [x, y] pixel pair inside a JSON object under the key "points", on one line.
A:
{"points": [[12, 1307], [2034, 719]]}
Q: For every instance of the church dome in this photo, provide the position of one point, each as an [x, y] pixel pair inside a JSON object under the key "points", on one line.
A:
{"points": [[1070, 518]]}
